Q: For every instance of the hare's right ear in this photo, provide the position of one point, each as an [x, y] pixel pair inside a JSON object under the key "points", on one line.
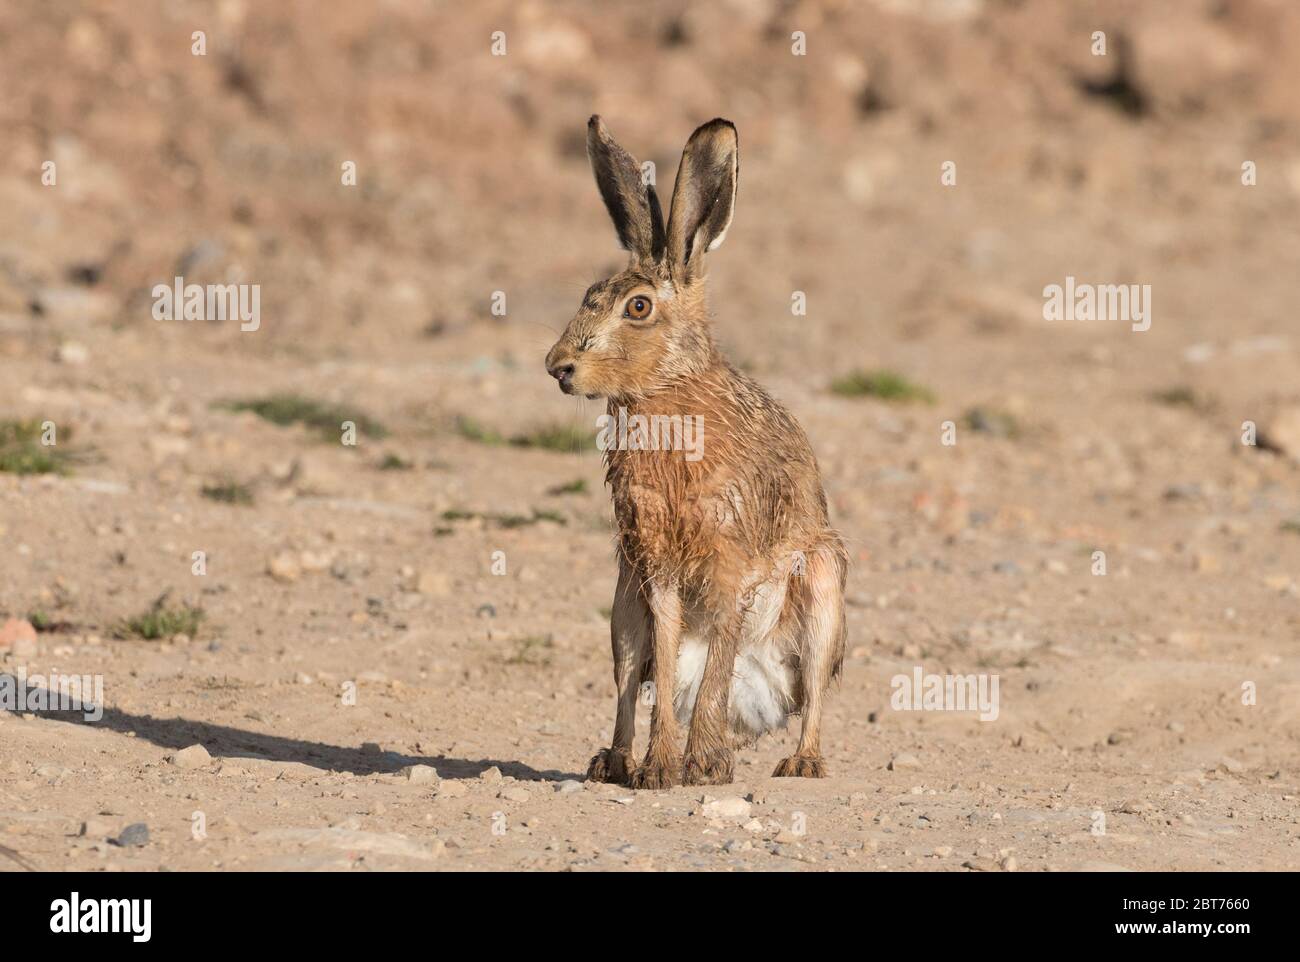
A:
{"points": [[632, 203]]}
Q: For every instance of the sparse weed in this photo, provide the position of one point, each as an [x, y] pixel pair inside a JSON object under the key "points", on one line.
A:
{"points": [[326, 419], [161, 621], [883, 384]]}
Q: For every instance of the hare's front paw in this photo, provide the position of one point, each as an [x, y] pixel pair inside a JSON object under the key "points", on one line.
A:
{"points": [[800, 766], [709, 767], [658, 773], [611, 765]]}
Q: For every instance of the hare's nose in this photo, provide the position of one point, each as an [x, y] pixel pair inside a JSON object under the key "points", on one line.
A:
{"points": [[562, 373]]}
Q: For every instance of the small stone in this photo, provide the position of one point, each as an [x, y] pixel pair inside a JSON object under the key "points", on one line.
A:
{"points": [[491, 775], [514, 794], [1135, 806], [1232, 765], [95, 828], [133, 836], [568, 787], [452, 789], [72, 352], [1206, 563], [943, 851], [19, 637], [1281, 433], [196, 756], [753, 825], [284, 567], [420, 774], [731, 807], [733, 845], [1009, 864], [981, 865], [904, 761], [435, 583], [313, 561]]}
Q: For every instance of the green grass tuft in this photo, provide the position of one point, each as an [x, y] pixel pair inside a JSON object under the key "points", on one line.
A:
{"points": [[565, 438], [326, 419], [21, 451], [1000, 424], [161, 621], [228, 491], [572, 487], [506, 521], [882, 384], [1183, 396], [531, 650]]}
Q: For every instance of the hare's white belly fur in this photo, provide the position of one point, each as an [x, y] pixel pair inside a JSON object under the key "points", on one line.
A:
{"points": [[764, 680]]}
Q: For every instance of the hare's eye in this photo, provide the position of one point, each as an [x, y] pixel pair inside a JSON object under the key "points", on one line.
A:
{"points": [[637, 308]]}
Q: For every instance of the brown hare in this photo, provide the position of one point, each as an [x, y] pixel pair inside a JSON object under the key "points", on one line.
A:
{"points": [[730, 597]]}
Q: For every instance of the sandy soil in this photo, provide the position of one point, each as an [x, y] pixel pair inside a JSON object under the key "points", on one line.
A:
{"points": [[1123, 741]]}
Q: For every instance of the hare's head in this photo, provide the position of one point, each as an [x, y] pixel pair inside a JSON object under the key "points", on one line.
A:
{"points": [[647, 325]]}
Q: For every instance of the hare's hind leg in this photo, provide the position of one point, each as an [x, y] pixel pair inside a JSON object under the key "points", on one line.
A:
{"points": [[820, 656], [709, 758], [629, 632]]}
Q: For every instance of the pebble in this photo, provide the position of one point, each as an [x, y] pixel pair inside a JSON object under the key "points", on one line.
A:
{"points": [[452, 789], [95, 828], [133, 836], [435, 583], [72, 352], [491, 775], [514, 794], [313, 561], [420, 774], [904, 761], [196, 756], [284, 567], [568, 787], [1232, 765], [1281, 432], [731, 807], [19, 637]]}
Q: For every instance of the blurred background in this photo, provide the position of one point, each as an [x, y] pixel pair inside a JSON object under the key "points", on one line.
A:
{"points": [[924, 305]]}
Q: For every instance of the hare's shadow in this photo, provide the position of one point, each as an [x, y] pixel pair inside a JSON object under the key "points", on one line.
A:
{"points": [[222, 740]]}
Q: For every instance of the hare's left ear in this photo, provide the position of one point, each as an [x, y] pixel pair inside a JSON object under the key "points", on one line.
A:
{"points": [[704, 197]]}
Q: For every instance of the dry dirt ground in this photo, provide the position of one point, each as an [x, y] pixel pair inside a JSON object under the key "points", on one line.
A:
{"points": [[352, 624]]}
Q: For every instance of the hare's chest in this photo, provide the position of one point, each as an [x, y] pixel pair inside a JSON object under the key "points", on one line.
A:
{"points": [[673, 529]]}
